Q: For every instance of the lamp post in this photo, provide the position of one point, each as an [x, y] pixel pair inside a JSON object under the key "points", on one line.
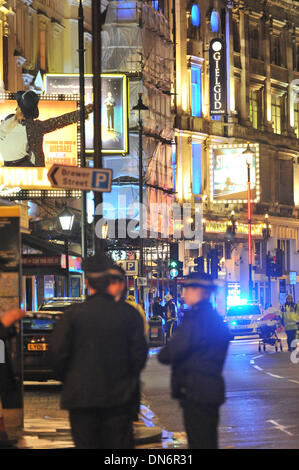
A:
{"points": [[266, 236], [249, 155], [66, 220], [81, 52], [140, 107]]}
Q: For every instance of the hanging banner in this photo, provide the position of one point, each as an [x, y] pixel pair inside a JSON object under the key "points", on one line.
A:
{"points": [[218, 88], [115, 137]]}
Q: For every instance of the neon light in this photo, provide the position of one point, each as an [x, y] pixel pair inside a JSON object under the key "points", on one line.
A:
{"points": [[215, 22], [195, 15]]}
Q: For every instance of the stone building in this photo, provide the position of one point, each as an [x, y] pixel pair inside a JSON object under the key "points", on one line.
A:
{"points": [[262, 46]]}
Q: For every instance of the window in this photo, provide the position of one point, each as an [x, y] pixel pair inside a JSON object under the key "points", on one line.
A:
{"points": [[195, 15], [42, 50], [195, 91], [236, 37], [276, 114], [296, 119], [254, 43], [215, 22], [276, 51], [255, 109], [196, 168]]}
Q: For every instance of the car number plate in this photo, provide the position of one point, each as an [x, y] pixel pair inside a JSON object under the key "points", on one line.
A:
{"points": [[37, 347]]}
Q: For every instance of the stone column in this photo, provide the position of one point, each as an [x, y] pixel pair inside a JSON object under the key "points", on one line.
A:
{"points": [[267, 33], [245, 78]]}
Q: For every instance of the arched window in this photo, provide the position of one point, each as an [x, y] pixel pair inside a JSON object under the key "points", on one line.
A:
{"points": [[195, 15], [215, 22]]}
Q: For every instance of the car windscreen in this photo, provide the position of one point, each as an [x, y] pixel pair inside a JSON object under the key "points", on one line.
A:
{"points": [[35, 324], [54, 307], [245, 310]]}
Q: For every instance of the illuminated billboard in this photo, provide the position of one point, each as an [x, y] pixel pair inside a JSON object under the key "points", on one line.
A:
{"points": [[28, 150], [115, 137], [229, 175]]}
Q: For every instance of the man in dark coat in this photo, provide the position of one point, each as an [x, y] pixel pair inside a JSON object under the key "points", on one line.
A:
{"points": [[99, 352], [197, 353]]}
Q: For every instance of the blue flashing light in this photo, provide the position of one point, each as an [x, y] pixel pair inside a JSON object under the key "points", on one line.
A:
{"points": [[155, 5], [215, 21], [195, 15]]}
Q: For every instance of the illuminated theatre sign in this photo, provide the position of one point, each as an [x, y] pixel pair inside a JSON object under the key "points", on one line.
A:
{"points": [[59, 144], [115, 137], [228, 173], [218, 89]]}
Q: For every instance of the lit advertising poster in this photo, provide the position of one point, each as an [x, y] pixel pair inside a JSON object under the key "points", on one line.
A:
{"points": [[27, 151], [114, 108], [229, 173]]}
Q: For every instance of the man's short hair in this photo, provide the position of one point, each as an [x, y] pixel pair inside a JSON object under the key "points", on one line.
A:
{"points": [[97, 264]]}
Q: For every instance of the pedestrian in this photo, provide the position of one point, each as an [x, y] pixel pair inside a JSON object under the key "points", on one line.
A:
{"points": [[157, 309], [197, 353], [9, 386], [131, 301], [98, 351], [22, 134], [289, 317], [170, 316]]}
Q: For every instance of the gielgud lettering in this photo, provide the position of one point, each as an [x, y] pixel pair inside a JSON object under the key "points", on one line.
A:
{"points": [[217, 86]]}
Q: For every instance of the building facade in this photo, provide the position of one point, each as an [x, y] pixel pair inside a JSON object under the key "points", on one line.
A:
{"points": [[261, 77]]}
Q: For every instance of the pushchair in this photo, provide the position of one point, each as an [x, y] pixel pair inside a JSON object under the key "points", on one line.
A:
{"points": [[268, 336]]}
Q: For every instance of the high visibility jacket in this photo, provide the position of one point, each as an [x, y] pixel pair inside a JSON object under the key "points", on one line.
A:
{"points": [[141, 311], [289, 316]]}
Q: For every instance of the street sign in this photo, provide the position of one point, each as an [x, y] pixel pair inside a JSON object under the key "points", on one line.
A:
{"points": [[130, 266], [141, 282], [84, 179], [293, 277]]}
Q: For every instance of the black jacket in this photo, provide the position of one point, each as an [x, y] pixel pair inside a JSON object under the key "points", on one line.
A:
{"points": [[98, 350], [7, 380], [197, 353]]}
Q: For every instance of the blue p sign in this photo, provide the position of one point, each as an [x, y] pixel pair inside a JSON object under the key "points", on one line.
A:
{"points": [[130, 266], [100, 180]]}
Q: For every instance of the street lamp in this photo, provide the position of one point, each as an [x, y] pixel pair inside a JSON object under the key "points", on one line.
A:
{"points": [[266, 228], [249, 155], [140, 107], [66, 220]]}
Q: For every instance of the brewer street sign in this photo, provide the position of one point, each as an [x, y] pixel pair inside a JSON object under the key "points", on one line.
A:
{"points": [[218, 89], [85, 179]]}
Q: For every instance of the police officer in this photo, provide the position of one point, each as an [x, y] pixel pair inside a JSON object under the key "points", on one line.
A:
{"points": [[290, 318], [197, 353], [170, 315], [98, 351]]}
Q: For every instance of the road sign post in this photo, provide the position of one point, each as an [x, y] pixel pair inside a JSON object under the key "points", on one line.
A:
{"points": [[84, 179]]}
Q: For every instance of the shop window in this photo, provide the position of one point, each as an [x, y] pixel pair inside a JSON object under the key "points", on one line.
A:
{"points": [[196, 168], [196, 89]]}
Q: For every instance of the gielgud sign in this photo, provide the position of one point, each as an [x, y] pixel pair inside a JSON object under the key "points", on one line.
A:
{"points": [[218, 90]]}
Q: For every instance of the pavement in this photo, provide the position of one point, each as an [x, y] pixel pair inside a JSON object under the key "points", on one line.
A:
{"points": [[261, 410]]}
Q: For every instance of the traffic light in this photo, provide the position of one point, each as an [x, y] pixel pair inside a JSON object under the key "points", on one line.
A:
{"points": [[199, 264], [274, 264], [176, 269]]}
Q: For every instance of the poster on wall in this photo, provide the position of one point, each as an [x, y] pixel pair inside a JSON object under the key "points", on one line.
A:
{"points": [[114, 107], [29, 147], [229, 173]]}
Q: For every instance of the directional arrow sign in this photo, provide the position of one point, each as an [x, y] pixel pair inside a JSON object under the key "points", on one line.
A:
{"points": [[87, 179]]}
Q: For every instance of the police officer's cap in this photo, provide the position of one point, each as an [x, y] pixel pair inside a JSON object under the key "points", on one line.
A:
{"points": [[199, 280]]}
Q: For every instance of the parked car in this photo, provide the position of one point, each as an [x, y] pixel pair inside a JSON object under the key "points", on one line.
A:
{"points": [[37, 328]]}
